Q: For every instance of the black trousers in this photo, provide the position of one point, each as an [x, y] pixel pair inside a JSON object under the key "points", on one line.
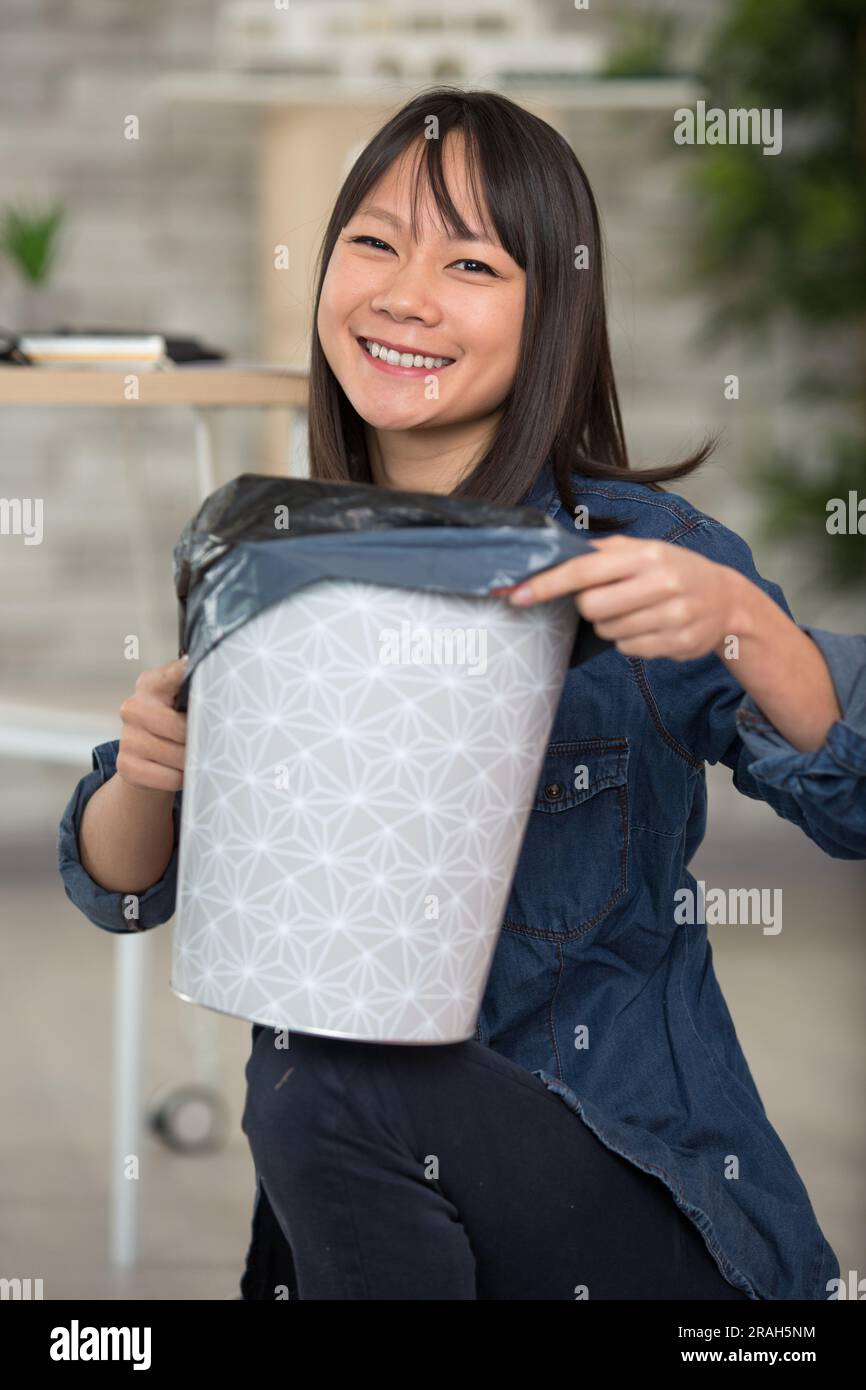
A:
{"points": [[447, 1172]]}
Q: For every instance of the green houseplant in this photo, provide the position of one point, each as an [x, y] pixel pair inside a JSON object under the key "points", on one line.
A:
{"points": [[30, 240], [642, 44], [781, 242]]}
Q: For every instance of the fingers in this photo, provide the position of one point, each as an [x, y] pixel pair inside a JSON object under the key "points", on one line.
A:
{"points": [[163, 682], [140, 772], [142, 711], [152, 748], [608, 601], [152, 705], [140, 743], [658, 631], [603, 566]]}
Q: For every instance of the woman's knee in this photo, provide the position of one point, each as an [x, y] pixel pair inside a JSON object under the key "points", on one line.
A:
{"points": [[295, 1091], [284, 1093]]}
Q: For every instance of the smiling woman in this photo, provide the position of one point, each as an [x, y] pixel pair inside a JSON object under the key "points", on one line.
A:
{"points": [[584, 1141], [416, 308], [461, 334]]}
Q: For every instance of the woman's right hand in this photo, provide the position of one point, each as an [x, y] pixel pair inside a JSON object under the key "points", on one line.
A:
{"points": [[152, 749]]}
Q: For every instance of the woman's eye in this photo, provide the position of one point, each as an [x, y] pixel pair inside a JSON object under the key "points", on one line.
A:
{"points": [[378, 240], [482, 264]]}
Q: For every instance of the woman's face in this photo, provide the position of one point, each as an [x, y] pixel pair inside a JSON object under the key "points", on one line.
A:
{"points": [[461, 300]]}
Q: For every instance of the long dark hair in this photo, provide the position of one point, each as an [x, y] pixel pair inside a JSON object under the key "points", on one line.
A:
{"points": [[563, 403]]}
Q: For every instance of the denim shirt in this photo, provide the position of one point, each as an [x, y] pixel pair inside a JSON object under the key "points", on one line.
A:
{"points": [[596, 986]]}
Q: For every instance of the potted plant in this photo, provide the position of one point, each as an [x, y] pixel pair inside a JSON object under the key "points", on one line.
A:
{"points": [[29, 239]]}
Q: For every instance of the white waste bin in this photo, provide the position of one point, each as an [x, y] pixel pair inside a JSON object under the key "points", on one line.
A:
{"points": [[361, 764], [367, 721]]}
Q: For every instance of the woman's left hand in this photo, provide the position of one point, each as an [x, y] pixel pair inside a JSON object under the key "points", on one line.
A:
{"points": [[650, 598]]}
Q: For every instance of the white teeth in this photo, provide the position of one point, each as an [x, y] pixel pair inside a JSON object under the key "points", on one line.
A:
{"points": [[403, 359]]}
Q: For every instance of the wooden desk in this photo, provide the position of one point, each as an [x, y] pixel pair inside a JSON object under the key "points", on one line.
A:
{"points": [[204, 388], [198, 384]]}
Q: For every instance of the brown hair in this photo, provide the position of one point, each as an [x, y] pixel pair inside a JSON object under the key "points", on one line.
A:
{"points": [[563, 403]]}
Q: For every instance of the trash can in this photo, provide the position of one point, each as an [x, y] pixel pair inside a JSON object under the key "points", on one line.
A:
{"points": [[366, 725]]}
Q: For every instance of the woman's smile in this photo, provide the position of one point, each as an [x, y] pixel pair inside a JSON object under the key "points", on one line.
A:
{"points": [[399, 360]]}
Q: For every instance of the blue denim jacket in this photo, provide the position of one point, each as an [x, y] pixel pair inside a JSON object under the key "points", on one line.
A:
{"points": [[596, 987]]}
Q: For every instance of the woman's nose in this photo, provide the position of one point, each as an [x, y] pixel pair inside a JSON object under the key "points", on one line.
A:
{"points": [[407, 294]]}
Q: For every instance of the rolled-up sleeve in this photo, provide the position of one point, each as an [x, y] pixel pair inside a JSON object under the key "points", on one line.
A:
{"points": [[824, 791], [829, 783], [114, 912]]}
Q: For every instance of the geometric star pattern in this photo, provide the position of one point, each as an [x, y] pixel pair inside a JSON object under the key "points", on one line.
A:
{"points": [[350, 828]]}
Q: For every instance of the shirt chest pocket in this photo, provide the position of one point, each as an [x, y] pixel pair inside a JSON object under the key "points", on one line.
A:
{"points": [[573, 864]]}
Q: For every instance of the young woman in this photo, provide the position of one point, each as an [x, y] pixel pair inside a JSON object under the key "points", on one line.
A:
{"points": [[602, 1135]]}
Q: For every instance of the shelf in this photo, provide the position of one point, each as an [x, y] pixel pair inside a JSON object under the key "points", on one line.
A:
{"points": [[194, 385]]}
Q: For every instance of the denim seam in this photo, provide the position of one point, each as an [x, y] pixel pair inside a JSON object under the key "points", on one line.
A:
{"points": [[607, 748], [618, 744], [550, 1011], [666, 834], [638, 671], [687, 521], [601, 784], [683, 530]]}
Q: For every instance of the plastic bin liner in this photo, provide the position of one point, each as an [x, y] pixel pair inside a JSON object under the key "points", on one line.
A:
{"points": [[354, 805], [259, 538]]}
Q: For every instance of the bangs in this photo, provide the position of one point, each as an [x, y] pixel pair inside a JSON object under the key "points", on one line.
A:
{"points": [[491, 207]]}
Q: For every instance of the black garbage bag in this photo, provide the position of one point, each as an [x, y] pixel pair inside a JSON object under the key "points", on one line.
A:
{"points": [[259, 538]]}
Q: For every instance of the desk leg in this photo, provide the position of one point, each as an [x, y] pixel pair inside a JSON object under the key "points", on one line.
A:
{"points": [[297, 460], [132, 954], [205, 451], [290, 443], [139, 543], [131, 961]]}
